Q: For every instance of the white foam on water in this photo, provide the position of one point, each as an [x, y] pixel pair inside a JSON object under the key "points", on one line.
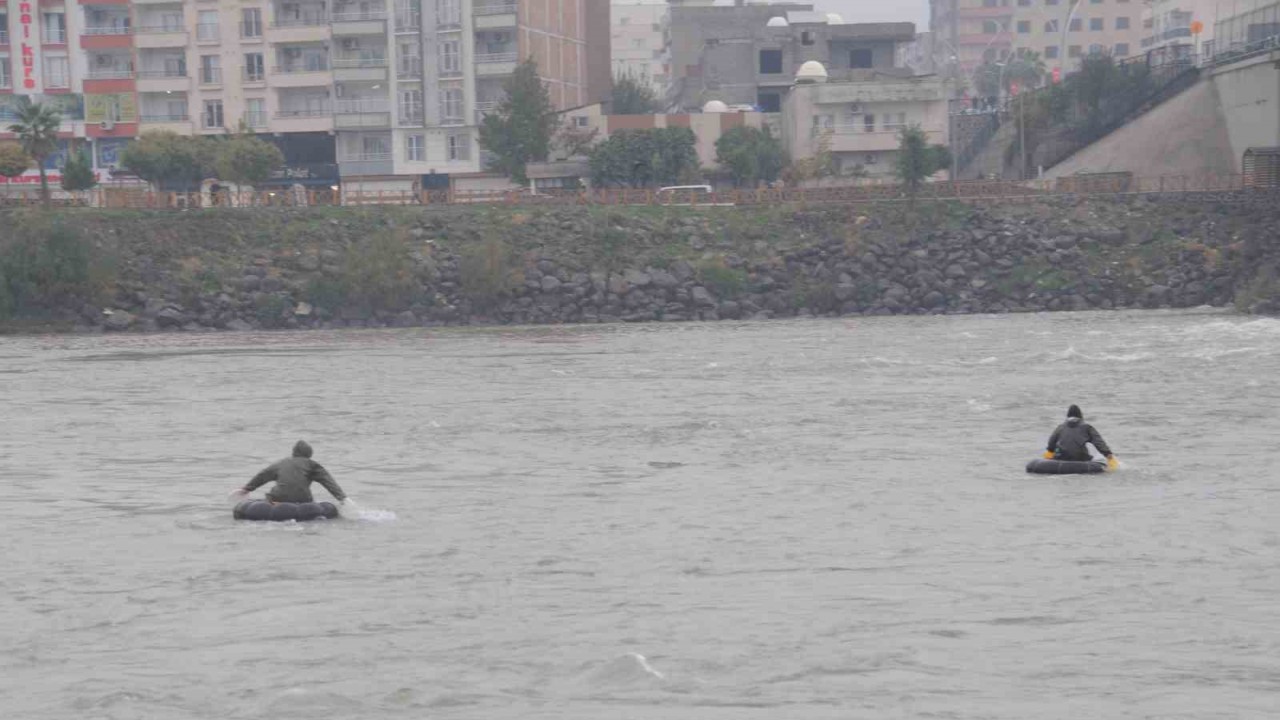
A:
{"points": [[349, 510]]}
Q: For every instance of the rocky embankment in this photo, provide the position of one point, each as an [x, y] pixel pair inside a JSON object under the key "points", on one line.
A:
{"points": [[241, 270]]}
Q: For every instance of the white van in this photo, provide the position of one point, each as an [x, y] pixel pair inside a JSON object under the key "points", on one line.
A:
{"points": [[688, 195]]}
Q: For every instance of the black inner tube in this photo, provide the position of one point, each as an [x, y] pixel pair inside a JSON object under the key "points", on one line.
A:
{"points": [[280, 512], [1065, 467]]}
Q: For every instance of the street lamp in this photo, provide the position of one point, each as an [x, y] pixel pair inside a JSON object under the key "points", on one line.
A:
{"points": [[1062, 46]]}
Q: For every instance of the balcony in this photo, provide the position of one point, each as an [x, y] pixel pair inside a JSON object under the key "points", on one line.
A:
{"points": [[173, 80], [355, 22], [48, 36], [109, 73], [308, 27], [210, 76], [116, 35], [371, 163], [411, 115], [493, 14], [175, 122], [484, 107], [253, 75], [370, 68], [314, 119], [855, 138], [160, 36], [255, 118], [357, 113], [251, 32], [301, 75], [496, 64]]}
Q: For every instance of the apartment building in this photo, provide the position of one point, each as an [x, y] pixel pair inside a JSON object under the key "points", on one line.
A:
{"points": [[968, 33], [860, 118], [388, 91], [1173, 23], [748, 55], [641, 42]]}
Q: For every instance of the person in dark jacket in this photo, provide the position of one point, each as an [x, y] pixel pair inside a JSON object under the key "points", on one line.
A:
{"points": [[1071, 439], [293, 477]]}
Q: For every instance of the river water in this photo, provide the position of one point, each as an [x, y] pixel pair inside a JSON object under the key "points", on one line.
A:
{"points": [[792, 519]]}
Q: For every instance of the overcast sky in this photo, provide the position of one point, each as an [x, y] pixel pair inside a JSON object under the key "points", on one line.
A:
{"points": [[916, 11]]}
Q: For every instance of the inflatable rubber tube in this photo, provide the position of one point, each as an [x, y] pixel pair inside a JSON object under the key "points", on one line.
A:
{"points": [[279, 512], [1065, 467]]}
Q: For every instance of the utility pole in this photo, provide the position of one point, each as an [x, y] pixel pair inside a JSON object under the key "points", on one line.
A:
{"points": [[1022, 134]]}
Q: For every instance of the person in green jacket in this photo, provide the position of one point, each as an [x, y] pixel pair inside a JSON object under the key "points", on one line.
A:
{"points": [[293, 477]]}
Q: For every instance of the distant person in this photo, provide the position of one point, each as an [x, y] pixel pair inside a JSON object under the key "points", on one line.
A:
{"points": [[293, 477], [1071, 439]]}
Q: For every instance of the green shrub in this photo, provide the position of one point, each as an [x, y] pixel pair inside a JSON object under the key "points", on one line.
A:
{"points": [[273, 311], [376, 276], [722, 281], [488, 271], [45, 266]]}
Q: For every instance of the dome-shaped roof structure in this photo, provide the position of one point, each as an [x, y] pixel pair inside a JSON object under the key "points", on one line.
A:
{"points": [[715, 106], [834, 19], [811, 72], [777, 21]]}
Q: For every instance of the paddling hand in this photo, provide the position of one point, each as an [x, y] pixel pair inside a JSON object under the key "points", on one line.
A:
{"points": [[1113, 463], [1048, 454], [238, 494]]}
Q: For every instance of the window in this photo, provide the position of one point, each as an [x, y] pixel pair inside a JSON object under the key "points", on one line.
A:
{"points": [[373, 147], [448, 12], [1122, 50], [1024, 3], [210, 70], [1122, 23], [861, 59], [255, 112], [1051, 52], [251, 23], [415, 148], [806, 37], [53, 28], [1097, 50], [870, 159], [253, 67], [213, 114], [1076, 24], [1073, 51], [1095, 24], [207, 26], [770, 62], [869, 122], [458, 146], [451, 105], [5, 79], [411, 106], [990, 27], [1050, 2], [56, 72], [450, 58], [1024, 26], [769, 102], [1051, 26], [580, 121]]}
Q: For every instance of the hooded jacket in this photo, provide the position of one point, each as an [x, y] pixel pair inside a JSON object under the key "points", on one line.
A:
{"points": [[1069, 440], [293, 477]]}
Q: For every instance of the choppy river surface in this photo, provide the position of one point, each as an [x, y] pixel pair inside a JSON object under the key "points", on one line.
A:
{"points": [[784, 520]]}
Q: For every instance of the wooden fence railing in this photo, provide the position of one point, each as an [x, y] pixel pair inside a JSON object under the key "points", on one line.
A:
{"points": [[978, 190]]}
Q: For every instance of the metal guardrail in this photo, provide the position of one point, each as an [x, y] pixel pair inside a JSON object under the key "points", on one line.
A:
{"points": [[494, 8]]}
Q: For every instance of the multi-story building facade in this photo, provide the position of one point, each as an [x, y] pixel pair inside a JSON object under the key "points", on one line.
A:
{"points": [[859, 119], [968, 33], [390, 91], [748, 55], [641, 42], [1172, 23]]}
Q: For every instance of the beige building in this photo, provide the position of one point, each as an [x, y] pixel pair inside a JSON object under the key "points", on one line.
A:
{"points": [[968, 33], [860, 118], [641, 41], [389, 91]]}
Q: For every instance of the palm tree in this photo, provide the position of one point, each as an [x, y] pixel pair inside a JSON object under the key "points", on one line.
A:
{"points": [[37, 131]]}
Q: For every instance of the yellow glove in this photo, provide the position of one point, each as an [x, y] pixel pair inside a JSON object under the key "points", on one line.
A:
{"points": [[1112, 463], [1048, 454]]}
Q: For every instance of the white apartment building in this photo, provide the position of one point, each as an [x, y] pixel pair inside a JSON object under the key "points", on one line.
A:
{"points": [[641, 41], [388, 91], [1174, 22]]}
